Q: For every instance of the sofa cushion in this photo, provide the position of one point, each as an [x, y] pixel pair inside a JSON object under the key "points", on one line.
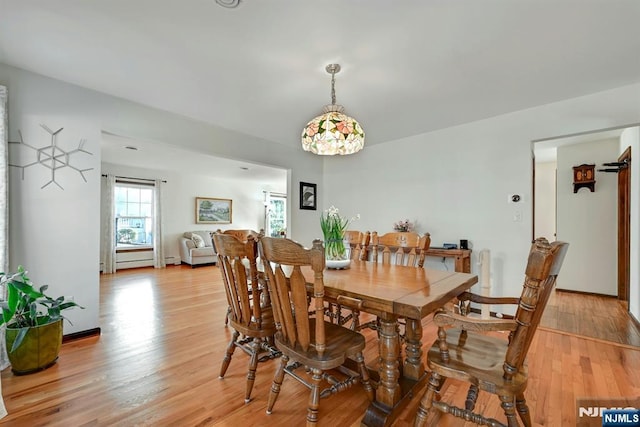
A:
{"points": [[198, 252], [197, 240], [206, 236]]}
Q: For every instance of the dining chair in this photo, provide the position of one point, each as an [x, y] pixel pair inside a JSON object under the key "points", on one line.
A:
{"points": [[470, 353], [242, 235], [307, 340], [249, 316], [399, 248], [357, 242]]}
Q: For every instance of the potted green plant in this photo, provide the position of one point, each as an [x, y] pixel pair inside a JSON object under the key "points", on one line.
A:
{"points": [[33, 323]]}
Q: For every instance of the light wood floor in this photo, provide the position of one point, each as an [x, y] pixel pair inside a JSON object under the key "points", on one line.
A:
{"points": [[592, 316], [157, 362]]}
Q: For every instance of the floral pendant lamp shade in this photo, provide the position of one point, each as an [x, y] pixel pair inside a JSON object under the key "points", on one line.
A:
{"points": [[333, 132]]}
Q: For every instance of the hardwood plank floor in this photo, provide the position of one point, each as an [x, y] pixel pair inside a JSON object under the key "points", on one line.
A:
{"points": [[163, 339], [596, 316]]}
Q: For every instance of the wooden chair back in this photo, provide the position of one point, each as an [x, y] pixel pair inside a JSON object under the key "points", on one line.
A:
{"points": [[243, 234], [358, 241], [240, 283], [289, 292], [400, 248], [543, 266]]}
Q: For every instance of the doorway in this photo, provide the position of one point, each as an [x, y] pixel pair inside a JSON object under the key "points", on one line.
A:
{"points": [[559, 211], [190, 174], [608, 228]]}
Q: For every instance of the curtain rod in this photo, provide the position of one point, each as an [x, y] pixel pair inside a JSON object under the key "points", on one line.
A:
{"points": [[137, 179]]}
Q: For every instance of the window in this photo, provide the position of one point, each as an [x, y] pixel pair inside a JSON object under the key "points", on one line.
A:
{"points": [[276, 215], [134, 215]]}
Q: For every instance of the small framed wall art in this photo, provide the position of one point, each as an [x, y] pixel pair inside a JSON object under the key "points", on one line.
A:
{"points": [[213, 211], [308, 196]]}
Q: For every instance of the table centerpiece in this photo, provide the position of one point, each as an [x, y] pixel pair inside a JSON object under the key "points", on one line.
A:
{"points": [[333, 225]]}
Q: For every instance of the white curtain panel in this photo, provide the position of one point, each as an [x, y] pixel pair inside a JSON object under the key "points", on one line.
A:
{"points": [[158, 240], [4, 219], [109, 225]]}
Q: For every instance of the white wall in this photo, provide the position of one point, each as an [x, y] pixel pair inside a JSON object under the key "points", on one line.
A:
{"points": [[455, 181], [590, 219], [56, 233], [182, 188], [631, 138], [545, 197]]}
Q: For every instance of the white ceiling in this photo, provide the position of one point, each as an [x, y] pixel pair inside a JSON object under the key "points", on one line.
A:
{"points": [[407, 67], [157, 156]]}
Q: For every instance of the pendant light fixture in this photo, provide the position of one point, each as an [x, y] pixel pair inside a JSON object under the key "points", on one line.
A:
{"points": [[333, 132]]}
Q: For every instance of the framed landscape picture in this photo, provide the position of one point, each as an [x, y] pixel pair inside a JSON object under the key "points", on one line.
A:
{"points": [[213, 211], [308, 196]]}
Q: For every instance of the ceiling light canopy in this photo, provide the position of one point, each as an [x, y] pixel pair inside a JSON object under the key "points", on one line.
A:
{"points": [[333, 132], [228, 3]]}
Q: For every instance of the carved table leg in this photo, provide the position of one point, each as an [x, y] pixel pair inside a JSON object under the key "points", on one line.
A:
{"points": [[392, 397], [388, 391], [413, 364]]}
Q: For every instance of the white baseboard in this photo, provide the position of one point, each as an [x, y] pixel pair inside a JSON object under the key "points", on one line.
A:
{"points": [[122, 265]]}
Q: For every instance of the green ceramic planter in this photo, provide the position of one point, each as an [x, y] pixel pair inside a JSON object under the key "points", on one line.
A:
{"points": [[38, 351]]}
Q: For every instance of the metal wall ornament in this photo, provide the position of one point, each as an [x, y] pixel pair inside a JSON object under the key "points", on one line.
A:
{"points": [[52, 157]]}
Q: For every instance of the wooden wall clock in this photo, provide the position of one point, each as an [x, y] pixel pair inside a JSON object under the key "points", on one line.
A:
{"points": [[584, 176]]}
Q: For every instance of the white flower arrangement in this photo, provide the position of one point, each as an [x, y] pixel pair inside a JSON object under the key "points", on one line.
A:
{"points": [[333, 227], [405, 225]]}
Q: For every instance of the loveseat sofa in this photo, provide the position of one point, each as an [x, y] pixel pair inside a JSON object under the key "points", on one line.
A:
{"points": [[196, 248]]}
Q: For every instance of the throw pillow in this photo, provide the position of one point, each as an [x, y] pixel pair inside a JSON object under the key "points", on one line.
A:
{"points": [[197, 240]]}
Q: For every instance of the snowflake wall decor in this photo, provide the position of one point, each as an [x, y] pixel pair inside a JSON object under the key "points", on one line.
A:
{"points": [[53, 157]]}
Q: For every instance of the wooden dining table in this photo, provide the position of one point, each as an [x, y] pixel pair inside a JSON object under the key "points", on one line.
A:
{"points": [[390, 292]]}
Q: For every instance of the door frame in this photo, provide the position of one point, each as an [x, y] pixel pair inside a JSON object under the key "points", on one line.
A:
{"points": [[624, 226]]}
